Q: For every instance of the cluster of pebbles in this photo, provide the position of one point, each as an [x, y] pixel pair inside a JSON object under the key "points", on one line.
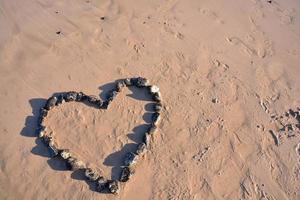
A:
{"points": [[73, 163]]}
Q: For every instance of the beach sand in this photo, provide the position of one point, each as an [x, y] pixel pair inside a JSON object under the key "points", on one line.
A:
{"points": [[228, 72]]}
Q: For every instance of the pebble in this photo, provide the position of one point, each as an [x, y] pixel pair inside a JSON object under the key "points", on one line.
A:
{"points": [[157, 107], [65, 154], [141, 82], [113, 186], [75, 164], [41, 131], [70, 96], [60, 99], [147, 139], [130, 159], [91, 174], [128, 82], [155, 118], [54, 148], [120, 85], [154, 89], [126, 173], [141, 148], [80, 96], [157, 97], [51, 102], [101, 184], [152, 129]]}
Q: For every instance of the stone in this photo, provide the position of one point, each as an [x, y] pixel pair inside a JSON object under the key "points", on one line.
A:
{"points": [[154, 89], [130, 159], [126, 173], [152, 129], [113, 186], [47, 137], [60, 99], [147, 138], [54, 148], [157, 97], [128, 82], [80, 96], [75, 164], [43, 112], [101, 184], [141, 82], [41, 131], [141, 148], [120, 85], [51, 102], [91, 174], [155, 118], [65, 153], [70, 96], [157, 107]]}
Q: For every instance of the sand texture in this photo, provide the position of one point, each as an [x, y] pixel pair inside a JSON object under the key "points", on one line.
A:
{"points": [[228, 72]]}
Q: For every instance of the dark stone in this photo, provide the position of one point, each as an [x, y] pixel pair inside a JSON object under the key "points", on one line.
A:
{"points": [[157, 107], [141, 82], [80, 96], [102, 184], [60, 99], [91, 174], [128, 82], [41, 131], [51, 102], [70, 96], [120, 85], [155, 118], [126, 173], [130, 159], [43, 112], [141, 148], [113, 186]]}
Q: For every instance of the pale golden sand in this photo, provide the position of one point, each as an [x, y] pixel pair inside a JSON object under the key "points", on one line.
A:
{"points": [[227, 70]]}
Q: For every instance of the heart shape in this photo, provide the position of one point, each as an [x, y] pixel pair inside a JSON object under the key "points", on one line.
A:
{"points": [[130, 159]]}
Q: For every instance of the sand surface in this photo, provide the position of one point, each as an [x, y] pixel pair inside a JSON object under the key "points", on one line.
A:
{"points": [[228, 70]]}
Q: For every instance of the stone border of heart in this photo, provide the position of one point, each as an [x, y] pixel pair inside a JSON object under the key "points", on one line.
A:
{"points": [[130, 159]]}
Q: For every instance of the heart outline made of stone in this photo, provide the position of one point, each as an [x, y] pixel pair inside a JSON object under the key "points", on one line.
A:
{"points": [[103, 184]]}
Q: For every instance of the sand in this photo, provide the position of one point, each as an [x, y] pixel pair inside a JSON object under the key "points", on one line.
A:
{"points": [[228, 71]]}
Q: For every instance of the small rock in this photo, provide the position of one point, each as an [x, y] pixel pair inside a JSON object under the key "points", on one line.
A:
{"points": [[41, 131], [141, 82], [120, 85], [157, 97], [147, 139], [60, 99], [91, 175], [126, 173], [130, 159], [157, 107], [70, 96], [112, 95], [43, 112], [75, 164], [101, 184], [128, 82], [54, 148], [155, 118], [154, 89], [152, 129], [80, 96], [47, 137], [141, 148], [113, 186], [51, 102], [65, 153]]}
